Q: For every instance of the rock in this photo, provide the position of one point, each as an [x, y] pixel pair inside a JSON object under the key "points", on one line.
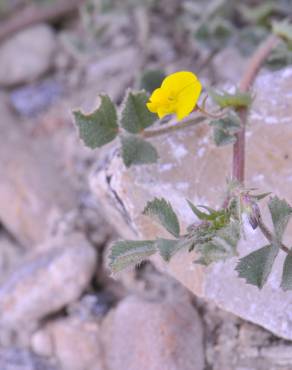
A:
{"points": [[192, 167], [47, 282], [21, 359], [34, 188], [73, 341], [160, 48], [232, 343], [103, 70], [31, 100], [157, 335], [27, 55], [229, 65], [10, 254]]}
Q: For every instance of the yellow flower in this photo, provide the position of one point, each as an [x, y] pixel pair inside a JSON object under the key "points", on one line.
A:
{"points": [[178, 94]]}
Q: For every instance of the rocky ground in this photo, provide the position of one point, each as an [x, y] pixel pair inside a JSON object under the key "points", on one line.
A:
{"points": [[60, 309]]}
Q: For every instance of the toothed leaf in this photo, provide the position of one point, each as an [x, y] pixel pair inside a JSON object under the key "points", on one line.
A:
{"points": [[135, 115], [281, 212], [152, 79], [163, 213], [256, 267], [137, 151], [286, 283], [128, 253], [216, 244], [167, 248], [99, 127]]}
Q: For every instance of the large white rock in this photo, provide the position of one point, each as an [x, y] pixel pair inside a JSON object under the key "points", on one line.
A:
{"points": [[158, 335], [27, 55], [192, 167], [46, 282]]}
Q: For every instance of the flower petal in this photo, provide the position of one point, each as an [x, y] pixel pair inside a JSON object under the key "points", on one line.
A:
{"points": [[187, 100], [178, 81]]}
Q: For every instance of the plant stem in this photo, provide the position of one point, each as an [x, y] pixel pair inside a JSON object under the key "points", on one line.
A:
{"points": [[172, 127], [269, 236], [254, 65]]}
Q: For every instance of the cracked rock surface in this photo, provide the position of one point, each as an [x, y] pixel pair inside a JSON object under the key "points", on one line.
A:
{"points": [[124, 194]]}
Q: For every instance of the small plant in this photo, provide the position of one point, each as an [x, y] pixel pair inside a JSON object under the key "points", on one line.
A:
{"points": [[216, 234]]}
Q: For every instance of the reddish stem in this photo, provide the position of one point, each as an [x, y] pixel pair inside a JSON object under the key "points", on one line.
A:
{"points": [[254, 65]]}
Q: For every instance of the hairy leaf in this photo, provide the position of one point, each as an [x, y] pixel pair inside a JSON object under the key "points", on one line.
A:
{"points": [[281, 56], [162, 211], [215, 244], [286, 283], [283, 29], [225, 129], [136, 151], [222, 138], [152, 79], [135, 115], [215, 33], [201, 215], [281, 212], [99, 127], [167, 247], [217, 219], [225, 100], [255, 268], [130, 252], [258, 14]]}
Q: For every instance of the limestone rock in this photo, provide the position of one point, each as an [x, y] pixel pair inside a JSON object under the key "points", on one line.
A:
{"points": [[229, 64], [10, 254], [27, 55], [21, 359], [192, 167], [156, 335], [34, 190], [75, 342], [47, 282]]}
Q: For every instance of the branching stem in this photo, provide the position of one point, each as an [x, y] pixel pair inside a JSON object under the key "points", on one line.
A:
{"points": [[170, 127], [269, 236]]}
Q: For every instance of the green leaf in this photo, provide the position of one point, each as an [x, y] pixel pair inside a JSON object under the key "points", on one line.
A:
{"points": [[136, 151], [215, 244], [281, 212], [283, 29], [167, 248], [152, 79], [255, 268], [286, 283], [163, 213], [217, 219], [222, 138], [225, 100], [230, 123], [259, 14], [248, 39], [135, 115], [280, 57], [214, 34], [130, 252], [99, 127], [201, 215]]}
